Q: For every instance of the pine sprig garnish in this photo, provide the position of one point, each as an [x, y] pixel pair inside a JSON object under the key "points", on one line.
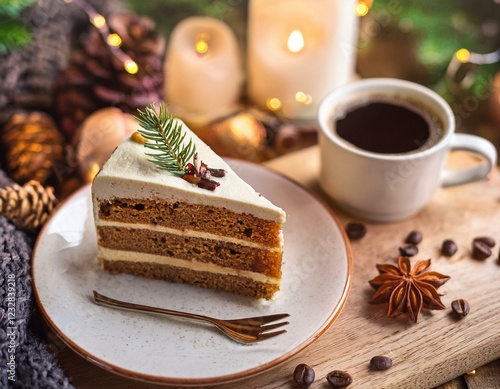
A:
{"points": [[161, 133], [166, 138]]}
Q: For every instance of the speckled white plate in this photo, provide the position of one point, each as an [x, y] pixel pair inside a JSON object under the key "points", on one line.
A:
{"points": [[316, 280]]}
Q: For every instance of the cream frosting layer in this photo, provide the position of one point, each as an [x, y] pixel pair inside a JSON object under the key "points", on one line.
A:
{"points": [[129, 174], [186, 233], [130, 256]]}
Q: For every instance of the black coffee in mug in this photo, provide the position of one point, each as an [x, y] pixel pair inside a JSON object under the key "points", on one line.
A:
{"points": [[388, 127]]}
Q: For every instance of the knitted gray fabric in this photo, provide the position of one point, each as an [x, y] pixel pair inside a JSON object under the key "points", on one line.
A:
{"points": [[26, 82], [25, 360]]}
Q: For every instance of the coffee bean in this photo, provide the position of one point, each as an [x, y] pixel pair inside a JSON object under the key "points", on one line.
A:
{"points": [[339, 379], [303, 375], [355, 230], [480, 250], [487, 240], [380, 362], [408, 250], [460, 307], [448, 248], [414, 237]]}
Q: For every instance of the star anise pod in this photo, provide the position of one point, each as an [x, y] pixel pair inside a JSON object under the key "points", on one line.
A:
{"points": [[407, 290]]}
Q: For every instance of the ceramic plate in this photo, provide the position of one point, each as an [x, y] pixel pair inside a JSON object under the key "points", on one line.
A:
{"points": [[316, 280]]}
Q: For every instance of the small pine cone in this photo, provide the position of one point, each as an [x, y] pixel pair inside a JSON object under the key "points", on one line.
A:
{"points": [[31, 145], [29, 206], [96, 77]]}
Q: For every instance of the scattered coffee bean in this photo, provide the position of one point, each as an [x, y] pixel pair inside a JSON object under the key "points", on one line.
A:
{"points": [[414, 237], [487, 240], [460, 307], [303, 375], [480, 250], [448, 248], [408, 250], [355, 230], [339, 379], [380, 362]]}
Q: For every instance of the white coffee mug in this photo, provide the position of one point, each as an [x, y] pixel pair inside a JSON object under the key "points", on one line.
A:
{"points": [[389, 187]]}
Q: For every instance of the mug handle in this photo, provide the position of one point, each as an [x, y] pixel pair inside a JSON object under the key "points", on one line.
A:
{"points": [[476, 144]]}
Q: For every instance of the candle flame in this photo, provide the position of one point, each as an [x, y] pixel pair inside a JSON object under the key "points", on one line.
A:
{"points": [[201, 44], [295, 41]]}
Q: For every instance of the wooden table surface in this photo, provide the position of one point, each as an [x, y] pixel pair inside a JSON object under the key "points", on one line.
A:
{"points": [[437, 351]]}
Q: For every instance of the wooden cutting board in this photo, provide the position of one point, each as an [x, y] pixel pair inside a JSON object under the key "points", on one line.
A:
{"points": [[439, 347]]}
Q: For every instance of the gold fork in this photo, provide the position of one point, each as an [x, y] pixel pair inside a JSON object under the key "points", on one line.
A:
{"points": [[247, 330]]}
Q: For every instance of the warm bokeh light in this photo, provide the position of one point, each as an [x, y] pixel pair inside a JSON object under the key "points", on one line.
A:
{"points": [[130, 66], [98, 21], [114, 40], [295, 41], [463, 55], [273, 103], [93, 170], [303, 98], [361, 9]]}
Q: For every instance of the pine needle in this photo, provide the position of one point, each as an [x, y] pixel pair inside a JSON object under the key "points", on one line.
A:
{"points": [[166, 138]]}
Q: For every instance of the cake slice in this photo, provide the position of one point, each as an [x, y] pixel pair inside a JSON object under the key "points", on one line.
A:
{"points": [[154, 224]]}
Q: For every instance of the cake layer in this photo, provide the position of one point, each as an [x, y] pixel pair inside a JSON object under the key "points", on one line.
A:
{"points": [[233, 283], [184, 216], [130, 256], [218, 252], [185, 233]]}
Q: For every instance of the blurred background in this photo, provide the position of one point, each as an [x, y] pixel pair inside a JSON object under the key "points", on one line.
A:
{"points": [[66, 65], [412, 40]]}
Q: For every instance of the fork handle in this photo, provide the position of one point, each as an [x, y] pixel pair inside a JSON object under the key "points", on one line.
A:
{"points": [[110, 302]]}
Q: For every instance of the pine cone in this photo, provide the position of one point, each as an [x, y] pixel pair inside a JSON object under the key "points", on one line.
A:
{"points": [[28, 206], [96, 78], [31, 146]]}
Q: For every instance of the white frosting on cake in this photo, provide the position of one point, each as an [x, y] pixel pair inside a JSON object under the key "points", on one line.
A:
{"points": [[129, 173]]}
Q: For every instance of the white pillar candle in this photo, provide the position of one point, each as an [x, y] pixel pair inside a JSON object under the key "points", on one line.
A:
{"points": [[299, 51], [203, 70]]}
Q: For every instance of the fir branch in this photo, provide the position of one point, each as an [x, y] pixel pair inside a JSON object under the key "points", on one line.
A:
{"points": [[166, 138], [12, 35], [13, 8], [13, 32]]}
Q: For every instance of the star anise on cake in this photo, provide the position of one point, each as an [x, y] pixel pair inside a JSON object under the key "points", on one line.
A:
{"points": [[407, 290]]}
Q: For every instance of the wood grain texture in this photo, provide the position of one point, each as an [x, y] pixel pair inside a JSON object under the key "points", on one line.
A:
{"points": [[428, 354]]}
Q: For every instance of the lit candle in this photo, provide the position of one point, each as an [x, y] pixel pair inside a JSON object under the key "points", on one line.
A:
{"points": [[203, 70], [298, 51]]}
